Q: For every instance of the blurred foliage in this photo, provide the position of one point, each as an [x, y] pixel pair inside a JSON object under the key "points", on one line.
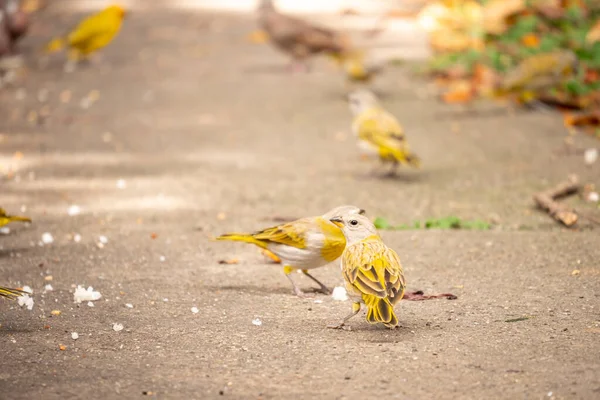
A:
{"points": [[522, 50], [450, 222]]}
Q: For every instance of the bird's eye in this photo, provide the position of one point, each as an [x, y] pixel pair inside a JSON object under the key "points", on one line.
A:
{"points": [[353, 222]]}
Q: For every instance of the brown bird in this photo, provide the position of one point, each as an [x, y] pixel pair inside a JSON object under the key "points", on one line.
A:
{"points": [[296, 37], [4, 37], [17, 21]]}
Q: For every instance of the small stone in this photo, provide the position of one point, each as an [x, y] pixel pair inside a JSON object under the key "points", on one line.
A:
{"points": [[117, 327], [74, 335]]}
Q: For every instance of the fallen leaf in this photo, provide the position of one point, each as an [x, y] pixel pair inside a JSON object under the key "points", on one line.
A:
{"points": [[230, 261], [62, 347], [575, 272], [55, 312], [460, 92], [530, 40], [496, 13], [583, 119], [594, 33], [153, 235], [258, 37]]}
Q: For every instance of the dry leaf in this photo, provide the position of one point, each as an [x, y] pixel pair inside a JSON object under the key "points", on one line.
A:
{"points": [[531, 40], [496, 12], [230, 261], [258, 37], [594, 33], [460, 92], [587, 118], [62, 347]]}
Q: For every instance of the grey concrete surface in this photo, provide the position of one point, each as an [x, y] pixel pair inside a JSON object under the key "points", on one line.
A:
{"points": [[211, 136]]}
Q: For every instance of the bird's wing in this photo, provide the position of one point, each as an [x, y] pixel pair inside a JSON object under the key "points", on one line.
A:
{"points": [[374, 269], [380, 128], [293, 30], [291, 234]]}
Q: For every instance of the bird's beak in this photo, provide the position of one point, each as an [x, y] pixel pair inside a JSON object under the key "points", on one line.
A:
{"points": [[337, 222], [361, 212]]}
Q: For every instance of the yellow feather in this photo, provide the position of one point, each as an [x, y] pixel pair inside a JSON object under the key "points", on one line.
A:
{"points": [[10, 294]]}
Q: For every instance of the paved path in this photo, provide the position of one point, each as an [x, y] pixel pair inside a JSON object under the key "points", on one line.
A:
{"points": [[209, 136]]}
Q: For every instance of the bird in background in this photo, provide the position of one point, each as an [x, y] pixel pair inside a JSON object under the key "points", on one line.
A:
{"points": [[6, 219], [90, 35], [536, 74], [297, 38], [359, 66], [304, 244], [11, 294], [371, 270], [16, 21], [379, 133]]}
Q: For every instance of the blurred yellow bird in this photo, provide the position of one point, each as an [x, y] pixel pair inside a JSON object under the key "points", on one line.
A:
{"points": [[6, 219], [371, 270], [358, 65], [11, 294], [304, 244], [379, 133], [92, 34]]}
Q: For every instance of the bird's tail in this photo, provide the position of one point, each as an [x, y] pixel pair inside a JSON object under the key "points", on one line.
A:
{"points": [[380, 311], [11, 294], [56, 44], [242, 237]]}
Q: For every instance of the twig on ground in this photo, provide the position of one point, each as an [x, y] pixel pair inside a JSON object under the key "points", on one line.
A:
{"points": [[546, 200]]}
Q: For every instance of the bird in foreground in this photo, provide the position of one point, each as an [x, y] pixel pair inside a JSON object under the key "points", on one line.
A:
{"points": [[6, 219], [11, 294], [296, 37], [304, 244], [371, 271], [93, 33], [379, 133]]}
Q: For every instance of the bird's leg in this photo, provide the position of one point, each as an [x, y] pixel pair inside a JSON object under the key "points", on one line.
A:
{"points": [[271, 255], [298, 65], [392, 171], [342, 324], [287, 270], [323, 289]]}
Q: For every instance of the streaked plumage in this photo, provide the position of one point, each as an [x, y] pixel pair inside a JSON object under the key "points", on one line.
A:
{"points": [[91, 34], [371, 270], [296, 37], [5, 218], [303, 244], [379, 133], [11, 294]]}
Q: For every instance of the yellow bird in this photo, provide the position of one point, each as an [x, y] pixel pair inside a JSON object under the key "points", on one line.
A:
{"points": [[91, 34], [6, 219], [371, 270], [304, 244], [11, 294], [379, 133], [358, 66]]}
